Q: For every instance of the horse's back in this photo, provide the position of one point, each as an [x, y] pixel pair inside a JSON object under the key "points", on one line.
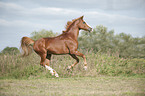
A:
{"points": [[53, 45], [56, 46]]}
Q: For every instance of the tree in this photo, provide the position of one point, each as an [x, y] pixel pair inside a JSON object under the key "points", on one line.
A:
{"points": [[10, 50], [105, 41], [41, 34], [99, 39]]}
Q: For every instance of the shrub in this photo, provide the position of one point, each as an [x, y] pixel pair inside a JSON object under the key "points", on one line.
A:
{"points": [[10, 50]]}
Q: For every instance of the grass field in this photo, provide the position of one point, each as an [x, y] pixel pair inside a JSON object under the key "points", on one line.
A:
{"points": [[107, 75], [16, 67], [77, 86]]}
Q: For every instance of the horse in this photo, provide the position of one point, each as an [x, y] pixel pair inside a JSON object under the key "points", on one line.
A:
{"points": [[65, 43]]}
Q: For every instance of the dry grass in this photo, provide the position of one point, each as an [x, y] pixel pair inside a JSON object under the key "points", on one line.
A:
{"points": [[25, 77], [14, 66], [77, 86]]}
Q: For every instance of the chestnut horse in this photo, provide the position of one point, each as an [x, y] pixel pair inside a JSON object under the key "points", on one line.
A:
{"points": [[66, 43]]}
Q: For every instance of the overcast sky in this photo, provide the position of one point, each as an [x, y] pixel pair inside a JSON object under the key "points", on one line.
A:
{"points": [[19, 18]]}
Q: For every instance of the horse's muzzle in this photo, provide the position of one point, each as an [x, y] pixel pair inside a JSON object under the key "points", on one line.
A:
{"points": [[90, 29]]}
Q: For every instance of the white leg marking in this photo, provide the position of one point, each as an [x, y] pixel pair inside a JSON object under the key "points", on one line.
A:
{"points": [[69, 67], [85, 67], [56, 75], [49, 68], [52, 71]]}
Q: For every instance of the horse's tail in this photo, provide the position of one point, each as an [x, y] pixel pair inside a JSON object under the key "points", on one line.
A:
{"points": [[26, 46]]}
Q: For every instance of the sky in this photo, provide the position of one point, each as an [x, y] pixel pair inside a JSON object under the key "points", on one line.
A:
{"points": [[20, 18]]}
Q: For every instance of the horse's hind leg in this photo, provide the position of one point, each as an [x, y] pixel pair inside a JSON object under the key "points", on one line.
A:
{"points": [[45, 62], [52, 71]]}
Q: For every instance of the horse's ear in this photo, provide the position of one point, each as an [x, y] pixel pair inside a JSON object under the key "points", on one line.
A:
{"points": [[82, 17]]}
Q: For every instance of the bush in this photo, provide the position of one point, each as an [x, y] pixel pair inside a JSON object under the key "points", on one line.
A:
{"points": [[41, 34], [10, 50], [102, 40], [13, 66]]}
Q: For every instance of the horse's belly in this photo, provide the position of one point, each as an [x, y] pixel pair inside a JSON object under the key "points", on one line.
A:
{"points": [[58, 48]]}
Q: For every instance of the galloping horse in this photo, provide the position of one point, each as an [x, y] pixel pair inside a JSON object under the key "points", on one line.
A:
{"points": [[66, 43]]}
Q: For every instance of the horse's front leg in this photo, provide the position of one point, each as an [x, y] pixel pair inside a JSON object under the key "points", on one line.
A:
{"points": [[77, 61], [81, 55]]}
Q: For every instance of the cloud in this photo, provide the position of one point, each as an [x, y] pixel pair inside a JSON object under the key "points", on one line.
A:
{"points": [[10, 6], [15, 11], [41, 17], [52, 11], [64, 12], [115, 18], [20, 18], [22, 23], [91, 4]]}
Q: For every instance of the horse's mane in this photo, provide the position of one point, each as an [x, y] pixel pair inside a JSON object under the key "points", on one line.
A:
{"points": [[68, 25]]}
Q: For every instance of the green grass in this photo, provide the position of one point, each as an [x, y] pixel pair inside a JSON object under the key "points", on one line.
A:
{"points": [[76, 86], [16, 67], [107, 75]]}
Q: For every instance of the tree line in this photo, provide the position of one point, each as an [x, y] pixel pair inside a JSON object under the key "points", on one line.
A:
{"points": [[106, 41], [102, 40]]}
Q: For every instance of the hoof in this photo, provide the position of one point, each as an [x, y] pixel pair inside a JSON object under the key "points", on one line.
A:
{"points": [[52, 74], [69, 67], [85, 67], [56, 75]]}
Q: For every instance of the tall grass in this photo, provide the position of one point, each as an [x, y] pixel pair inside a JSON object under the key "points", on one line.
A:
{"points": [[14, 66]]}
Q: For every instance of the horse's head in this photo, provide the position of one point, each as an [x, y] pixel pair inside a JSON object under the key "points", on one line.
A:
{"points": [[83, 25]]}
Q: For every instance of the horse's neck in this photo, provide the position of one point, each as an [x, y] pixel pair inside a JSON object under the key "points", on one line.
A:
{"points": [[74, 32]]}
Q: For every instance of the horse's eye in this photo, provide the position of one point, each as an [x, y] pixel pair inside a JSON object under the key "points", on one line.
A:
{"points": [[84, 22]]}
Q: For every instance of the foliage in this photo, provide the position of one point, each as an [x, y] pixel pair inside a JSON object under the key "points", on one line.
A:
{"points": [[41, 34], [14, 66], [104, 50], [10, 50], [99, 39], [103, 41]]}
